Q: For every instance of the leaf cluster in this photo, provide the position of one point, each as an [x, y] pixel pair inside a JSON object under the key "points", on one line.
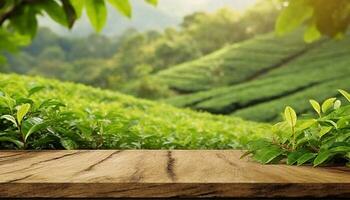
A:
{"points": [[322, 17], [322, 140], [26, 123], [21, 15]]}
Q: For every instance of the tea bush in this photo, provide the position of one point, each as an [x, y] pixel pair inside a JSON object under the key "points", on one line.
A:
{"points": [[252, 79], [39, 113], [321, 140]]}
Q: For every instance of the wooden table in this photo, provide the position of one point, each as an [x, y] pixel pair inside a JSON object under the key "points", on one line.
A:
{"points": [[158, 173]]}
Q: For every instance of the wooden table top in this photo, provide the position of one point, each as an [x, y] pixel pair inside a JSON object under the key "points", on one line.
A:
{"points": [[160, 173]]}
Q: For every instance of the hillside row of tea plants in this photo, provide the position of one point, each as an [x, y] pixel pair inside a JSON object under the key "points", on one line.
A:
{"points": [[233, 64], [304, 71], [38, 113]]}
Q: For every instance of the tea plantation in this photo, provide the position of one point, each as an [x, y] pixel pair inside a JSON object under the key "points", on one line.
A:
{"points": [[256, 79], [93, 118]]}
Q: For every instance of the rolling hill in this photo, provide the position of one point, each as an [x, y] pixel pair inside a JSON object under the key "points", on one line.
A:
{"points": [[257, 78], [134, 123]]}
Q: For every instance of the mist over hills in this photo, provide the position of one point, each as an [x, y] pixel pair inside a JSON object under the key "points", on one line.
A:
{"points": [[146, 17]]}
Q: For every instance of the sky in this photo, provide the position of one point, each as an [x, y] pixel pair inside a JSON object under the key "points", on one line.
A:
{"points": [[146, 17]]}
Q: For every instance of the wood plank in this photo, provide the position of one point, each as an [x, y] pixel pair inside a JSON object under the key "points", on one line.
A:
{"points": [[160, 173]]}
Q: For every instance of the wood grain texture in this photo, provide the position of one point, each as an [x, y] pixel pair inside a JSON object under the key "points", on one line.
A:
{"points": [[158, 173]]}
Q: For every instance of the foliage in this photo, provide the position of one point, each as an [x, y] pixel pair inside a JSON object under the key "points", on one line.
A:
{"points": [[323, 17], [72, 116], [31, 124], [105, 61], [318, 141], [232, 64], [288, 72], [19, 17]]}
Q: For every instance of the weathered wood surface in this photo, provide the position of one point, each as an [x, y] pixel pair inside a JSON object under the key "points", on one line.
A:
{"points": [[147, 173]]}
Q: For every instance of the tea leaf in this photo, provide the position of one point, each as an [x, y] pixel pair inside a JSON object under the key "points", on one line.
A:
{"points": [[290, 116], [36, 128], [18, 143], [35, 89], [123, 6], [22, 110], [97, 12], [324, 130], [54, 10], [298, 11], [305, 124], [337, 104], [268, 154], [316, 106], [78, 6], [68, 144], [327, 104], [345, 94], [9, 118], [294, 156], [340, 149], [305, 158], [322, 157]]}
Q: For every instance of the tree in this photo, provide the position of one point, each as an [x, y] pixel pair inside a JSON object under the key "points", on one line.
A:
{"points": [[18, 18], [322, 17]]}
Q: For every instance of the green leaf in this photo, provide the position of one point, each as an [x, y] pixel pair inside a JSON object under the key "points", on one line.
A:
{"points": [[340, 149], [345, 94], [35, 128], [55, 11], [25, 22], [68, 144], [71, 14], [153, 2], [267, 155], [312, 33], [290, 116], [51, 103], [9, 118], [35, 89], [316, 106], [7, 101], [245, 154], [18, 143], [327, 104], [305, 158], [22, 110], [337, 104], [332, 123], [123, 6], [78, 6], [97, 13], [293, 156], [322, 157], [305, 124], [324, 130], [293, 16]]}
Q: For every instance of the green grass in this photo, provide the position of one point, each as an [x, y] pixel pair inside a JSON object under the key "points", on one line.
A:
{"points": [[323, 68], [136, 123]]}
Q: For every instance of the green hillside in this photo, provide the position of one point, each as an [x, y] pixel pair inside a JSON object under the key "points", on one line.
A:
{"points": [[256, 79], [128, 122], [233, 64]]}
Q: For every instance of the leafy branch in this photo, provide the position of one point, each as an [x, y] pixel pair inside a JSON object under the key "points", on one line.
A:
{"points": [[321, 140]]}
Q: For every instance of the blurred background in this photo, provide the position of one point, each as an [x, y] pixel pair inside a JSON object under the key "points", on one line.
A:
{"points": [[219, 56]]}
